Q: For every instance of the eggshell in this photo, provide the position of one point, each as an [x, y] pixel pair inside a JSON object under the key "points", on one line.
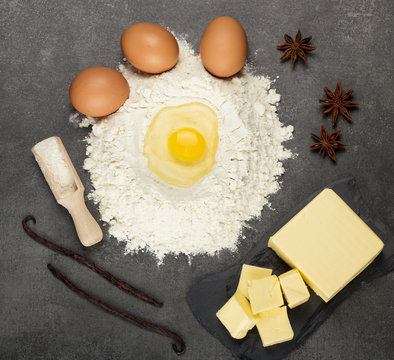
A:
{"points": [[224, 47], [98, 91], [149, 47]]}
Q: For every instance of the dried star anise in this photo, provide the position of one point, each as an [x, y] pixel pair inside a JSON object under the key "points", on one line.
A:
{"points": [[337, 103], [327, 144], [294, 48]]}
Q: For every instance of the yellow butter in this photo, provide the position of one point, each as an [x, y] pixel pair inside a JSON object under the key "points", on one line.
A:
{"points": [[328, 243], [237, 316], [250, 273], [265, 294], [293, 288], [274, 326]]}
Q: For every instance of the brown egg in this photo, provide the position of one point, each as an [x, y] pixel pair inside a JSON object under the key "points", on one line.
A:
{"points": [[149, 47], [224, 47], [98, 91]]}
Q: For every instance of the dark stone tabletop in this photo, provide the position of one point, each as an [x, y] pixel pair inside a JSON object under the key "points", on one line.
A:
{"points": [[44, 44]]}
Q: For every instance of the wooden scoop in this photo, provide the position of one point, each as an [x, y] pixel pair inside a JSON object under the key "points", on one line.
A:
{"points": [[88, 230]]}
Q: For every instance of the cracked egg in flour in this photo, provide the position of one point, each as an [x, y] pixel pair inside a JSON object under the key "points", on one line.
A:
{"points": [[181, 143]]}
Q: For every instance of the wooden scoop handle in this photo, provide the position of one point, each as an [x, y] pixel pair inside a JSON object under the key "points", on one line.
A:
{"points": [[88, 230]]}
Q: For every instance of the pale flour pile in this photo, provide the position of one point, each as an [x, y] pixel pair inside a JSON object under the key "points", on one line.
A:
{"points": [[146, 213]]}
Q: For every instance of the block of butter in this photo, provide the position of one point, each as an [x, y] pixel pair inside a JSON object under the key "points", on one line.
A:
{"points": [[237, 316], [328, 243], [265, 294], [294, 288], [250, 273], [274, 326]]}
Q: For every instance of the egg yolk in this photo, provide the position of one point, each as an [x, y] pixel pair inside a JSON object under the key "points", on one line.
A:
{"points": [[186, 144]]}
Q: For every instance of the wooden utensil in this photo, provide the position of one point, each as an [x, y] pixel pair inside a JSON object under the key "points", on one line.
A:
{"points": [[88, 230]]}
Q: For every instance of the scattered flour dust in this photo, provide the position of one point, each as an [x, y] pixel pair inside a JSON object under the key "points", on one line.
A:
{"points": [[144, 212]]}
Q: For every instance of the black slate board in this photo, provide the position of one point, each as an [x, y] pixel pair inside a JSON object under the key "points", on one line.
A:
{"points": [[209, 295]]}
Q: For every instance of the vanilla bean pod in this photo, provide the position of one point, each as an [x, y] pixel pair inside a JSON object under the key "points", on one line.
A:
{"points": [[179, 348], [90, 264]]}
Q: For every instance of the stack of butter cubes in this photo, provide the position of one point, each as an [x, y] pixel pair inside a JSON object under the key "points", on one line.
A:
{"points": [[328, 242], [259, 302]]}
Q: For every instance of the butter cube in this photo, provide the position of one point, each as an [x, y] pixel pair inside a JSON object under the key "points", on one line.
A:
{"points": [[328, 243], [274, 326], [237, 316], [265, 294], [294, 289], [250, 273]]}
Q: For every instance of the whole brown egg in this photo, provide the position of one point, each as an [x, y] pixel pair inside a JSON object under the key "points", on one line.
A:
{"points": [[150, 47], [98, 91], [224, 47]]}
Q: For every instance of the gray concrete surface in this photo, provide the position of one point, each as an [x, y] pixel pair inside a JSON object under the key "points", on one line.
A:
{"points": [[45, 43]]}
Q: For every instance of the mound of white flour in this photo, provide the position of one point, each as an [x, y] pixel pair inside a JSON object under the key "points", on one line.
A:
{"points": [[144, 212]]}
